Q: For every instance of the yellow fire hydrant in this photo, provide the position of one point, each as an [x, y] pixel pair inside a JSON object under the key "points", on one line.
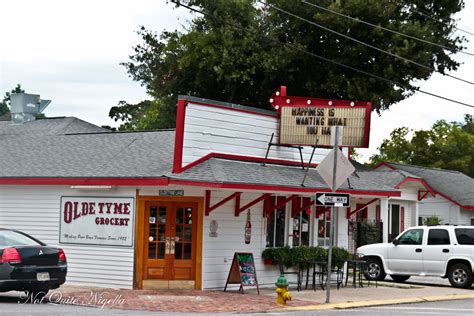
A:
{"points": [[282, 290]]}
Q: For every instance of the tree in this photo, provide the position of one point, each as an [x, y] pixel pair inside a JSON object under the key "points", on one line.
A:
{"points": [[5, 104], [445, 145], [241, 51]]}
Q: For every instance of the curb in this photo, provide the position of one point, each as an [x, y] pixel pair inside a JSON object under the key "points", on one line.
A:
{"points": [[358, 304]]}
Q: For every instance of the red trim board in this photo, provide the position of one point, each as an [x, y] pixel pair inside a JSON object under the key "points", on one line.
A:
{"points": [[179, 137]]}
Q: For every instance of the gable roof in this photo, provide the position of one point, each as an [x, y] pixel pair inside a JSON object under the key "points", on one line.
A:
{"points": [[453, 185], [226, 171], [93, 155], [48, 126]]}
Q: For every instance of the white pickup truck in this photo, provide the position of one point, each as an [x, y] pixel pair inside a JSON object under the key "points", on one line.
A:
{"points": [[445, 251]]}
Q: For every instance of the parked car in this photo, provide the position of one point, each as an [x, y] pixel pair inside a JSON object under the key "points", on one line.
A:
{"points": [[27, 264], [444, 251]]}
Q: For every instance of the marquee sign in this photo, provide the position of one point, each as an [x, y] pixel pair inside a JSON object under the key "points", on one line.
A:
{"points": [[308, 121], [106, 221]]}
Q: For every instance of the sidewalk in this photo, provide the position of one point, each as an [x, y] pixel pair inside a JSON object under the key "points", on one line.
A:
{"points": [[234, 302]]}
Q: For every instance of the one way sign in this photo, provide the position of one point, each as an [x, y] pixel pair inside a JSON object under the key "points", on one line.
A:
{"points": [[333, 199]]}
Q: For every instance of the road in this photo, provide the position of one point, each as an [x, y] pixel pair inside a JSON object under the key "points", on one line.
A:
{"points": [[448, 308]]}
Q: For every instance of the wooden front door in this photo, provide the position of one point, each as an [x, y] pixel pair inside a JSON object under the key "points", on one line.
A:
{"points": [[170, 245]]}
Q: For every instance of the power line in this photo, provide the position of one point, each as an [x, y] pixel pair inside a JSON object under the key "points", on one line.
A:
{"points": [[385, 29], [438, 20], [363, 43], [294, 47]]}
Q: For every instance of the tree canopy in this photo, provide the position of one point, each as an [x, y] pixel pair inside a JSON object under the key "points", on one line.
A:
{"points": [[242, 51], [445, 145], [5, 104]]}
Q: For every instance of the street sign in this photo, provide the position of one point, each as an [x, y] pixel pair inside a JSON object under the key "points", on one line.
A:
{"points": [[326, 169], [333, 199]]}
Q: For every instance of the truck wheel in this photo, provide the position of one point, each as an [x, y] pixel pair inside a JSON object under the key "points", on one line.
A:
{"points": [[460, 275], [399, 278], [374, 270]]}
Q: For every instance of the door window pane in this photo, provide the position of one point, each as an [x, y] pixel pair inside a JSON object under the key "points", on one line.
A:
{"points": [[411, 237], [438, 237], [188, 234], [162, 215], [161, 250], [178, 251], [188, 217], [152, 250], [187, 251], [180, 216]]}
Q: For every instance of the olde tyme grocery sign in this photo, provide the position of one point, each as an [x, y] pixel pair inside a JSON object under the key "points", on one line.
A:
{"points": [[106, 221], [308, 121]]}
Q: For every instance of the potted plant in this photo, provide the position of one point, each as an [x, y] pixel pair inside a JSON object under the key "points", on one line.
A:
{"points": [[268, 256]]}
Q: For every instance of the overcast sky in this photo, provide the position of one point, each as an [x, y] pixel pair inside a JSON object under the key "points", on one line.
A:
{"points": [[69, 52]]}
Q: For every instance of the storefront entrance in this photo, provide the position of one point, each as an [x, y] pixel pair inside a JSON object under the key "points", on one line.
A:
{"points": [[170, 249], [169, 242]]}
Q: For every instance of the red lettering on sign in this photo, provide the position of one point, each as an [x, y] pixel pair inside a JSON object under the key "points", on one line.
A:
{"points": [[109, 205], [85, 208], [101, 208], [117, 208], [67, 212], [91, 207], [126, 208], [76, 213]]}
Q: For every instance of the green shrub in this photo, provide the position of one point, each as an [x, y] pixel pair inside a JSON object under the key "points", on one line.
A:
{"points": [[432, 221], [269, 253], [301, 255], [339, 255]]}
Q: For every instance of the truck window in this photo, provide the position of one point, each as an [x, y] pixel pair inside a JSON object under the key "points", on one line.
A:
{"points": [[438, 237], [465, 236], [411, 237]]}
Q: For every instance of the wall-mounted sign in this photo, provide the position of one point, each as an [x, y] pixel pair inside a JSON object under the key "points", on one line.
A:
{"points": [[106, 221], [308, 121], [171, 192], [213, 226]]}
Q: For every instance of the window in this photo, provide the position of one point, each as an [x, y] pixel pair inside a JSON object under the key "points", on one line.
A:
{"points": [[324, 226], [301, 229], [276, 226], [472, 221], [438, 237], [411, 237], [465, 236]]}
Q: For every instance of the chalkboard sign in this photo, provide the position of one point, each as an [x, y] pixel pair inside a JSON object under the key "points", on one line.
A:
{"points": [[242, 271]]}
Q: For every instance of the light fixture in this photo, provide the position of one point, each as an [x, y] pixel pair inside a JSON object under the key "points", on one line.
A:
{"points": [[352, 103], [271, 100], [91, 187], [277, 107], [330, 102], [308, 102], [288, 101], [277, 93]]}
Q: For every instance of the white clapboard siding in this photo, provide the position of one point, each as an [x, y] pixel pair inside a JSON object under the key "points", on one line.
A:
{"points": [[227, 131], [439, 206], [219, 251], [35, 210], [465, 217]]}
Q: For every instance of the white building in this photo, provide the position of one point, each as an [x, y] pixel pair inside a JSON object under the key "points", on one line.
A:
{"points": [[169, 208]]}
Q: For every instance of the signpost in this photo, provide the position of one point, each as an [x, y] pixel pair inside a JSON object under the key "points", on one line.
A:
{"points": [[333, 199], [242, 271]]}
